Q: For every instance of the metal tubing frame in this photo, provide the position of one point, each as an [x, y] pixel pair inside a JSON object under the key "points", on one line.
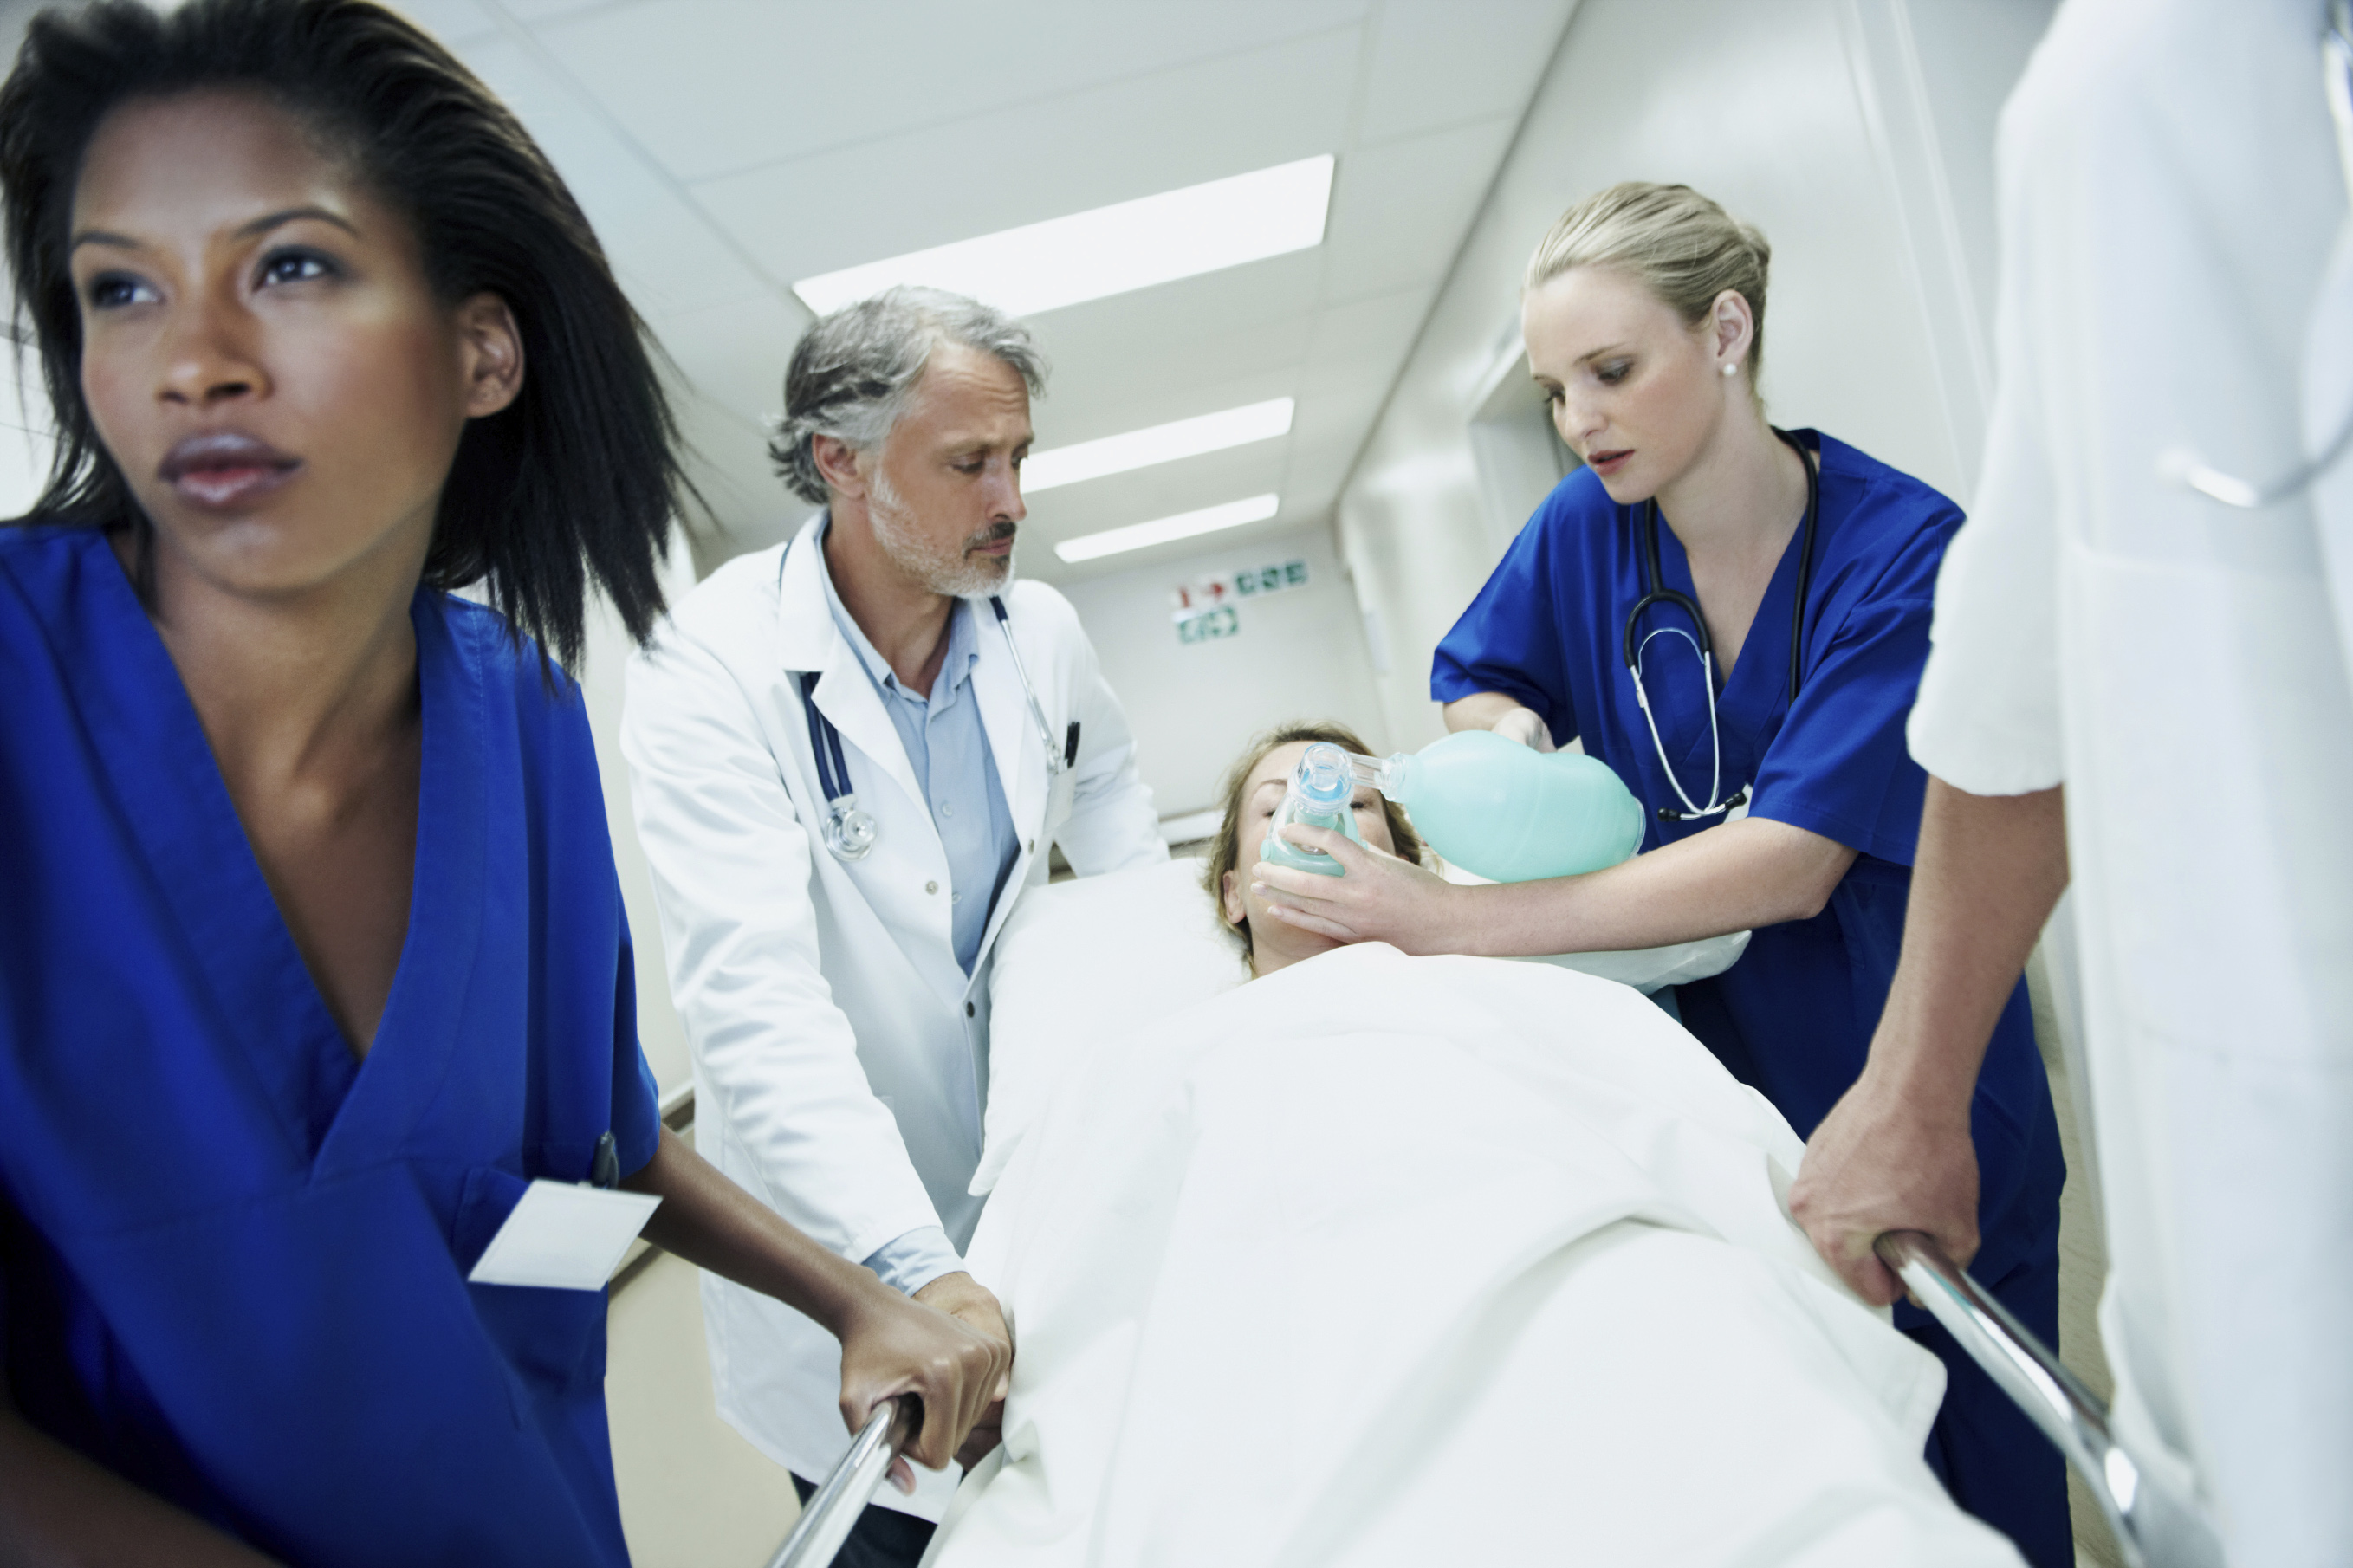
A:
{"points": [[828, 1518], [2153, 1527]]}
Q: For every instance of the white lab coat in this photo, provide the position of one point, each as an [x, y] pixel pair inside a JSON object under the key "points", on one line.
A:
{"points": [[2169, 196], [841, 1053]]}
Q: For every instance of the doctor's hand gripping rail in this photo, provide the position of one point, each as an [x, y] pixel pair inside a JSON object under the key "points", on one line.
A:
{"points": [[2154, 1526], [832, 1512]]}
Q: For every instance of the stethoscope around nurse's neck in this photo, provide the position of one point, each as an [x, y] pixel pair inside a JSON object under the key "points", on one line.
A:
{"points": [[1656, 593]]}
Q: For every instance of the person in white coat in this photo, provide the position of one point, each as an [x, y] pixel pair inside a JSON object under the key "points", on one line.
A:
{"points": [[849, 755], [2137, 684]]}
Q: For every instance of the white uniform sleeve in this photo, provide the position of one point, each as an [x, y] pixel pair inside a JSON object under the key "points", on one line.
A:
{"points": [[1112, 824], [1988, 719], [774, 1058]]}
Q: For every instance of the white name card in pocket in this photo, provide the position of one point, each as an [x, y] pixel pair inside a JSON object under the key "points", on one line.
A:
{"points": [[563, 1237]]}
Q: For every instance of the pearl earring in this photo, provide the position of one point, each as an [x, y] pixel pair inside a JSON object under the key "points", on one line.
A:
{"points": [[1730, 368]]}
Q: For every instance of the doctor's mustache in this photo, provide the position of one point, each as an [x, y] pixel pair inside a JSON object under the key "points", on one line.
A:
{"points": [[999, 534]]}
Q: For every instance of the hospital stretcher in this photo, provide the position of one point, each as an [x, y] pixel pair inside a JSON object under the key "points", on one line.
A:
{"points": [[2154, 1526]]}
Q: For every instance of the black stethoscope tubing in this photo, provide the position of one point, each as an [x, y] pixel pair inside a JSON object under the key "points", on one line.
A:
{"points": [[1656, 592]]}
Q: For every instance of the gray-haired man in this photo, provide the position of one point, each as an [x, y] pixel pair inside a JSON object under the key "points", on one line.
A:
{"points": [[848, 754]]}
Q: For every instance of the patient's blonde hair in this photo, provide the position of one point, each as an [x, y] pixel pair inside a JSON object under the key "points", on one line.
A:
{"points": [[1678, 244], [1226, 850]]}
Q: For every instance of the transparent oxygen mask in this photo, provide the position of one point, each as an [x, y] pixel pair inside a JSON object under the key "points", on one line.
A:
{"points": [[1322, 793]]}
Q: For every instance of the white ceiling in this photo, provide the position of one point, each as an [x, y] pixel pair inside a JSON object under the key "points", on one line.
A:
{"points": [[725, 148]]}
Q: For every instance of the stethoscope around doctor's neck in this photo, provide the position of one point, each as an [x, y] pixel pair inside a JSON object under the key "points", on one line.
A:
{"points": [[850, 832], [1655, 593]]}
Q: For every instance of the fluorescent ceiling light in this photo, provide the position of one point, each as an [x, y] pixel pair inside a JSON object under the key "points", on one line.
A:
{"points": [[1159, 443], [1183, 525], [1110, 250]]}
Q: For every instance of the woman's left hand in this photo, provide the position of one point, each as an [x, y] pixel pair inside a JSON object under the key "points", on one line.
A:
{"points": [[1380, 897]]}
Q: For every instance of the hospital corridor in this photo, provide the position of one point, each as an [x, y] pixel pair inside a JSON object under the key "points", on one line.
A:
{"points": [[998, 782]]}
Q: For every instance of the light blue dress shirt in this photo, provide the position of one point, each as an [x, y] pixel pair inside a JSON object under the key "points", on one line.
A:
{"points": [[948, 751]]}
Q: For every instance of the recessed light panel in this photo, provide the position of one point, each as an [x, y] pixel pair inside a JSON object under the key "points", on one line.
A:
{"points": [[1183, 525], [1159, 443], [1110, 250]]}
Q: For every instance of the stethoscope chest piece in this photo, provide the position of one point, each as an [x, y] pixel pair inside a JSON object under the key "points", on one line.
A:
{"points": [[850, 833]]}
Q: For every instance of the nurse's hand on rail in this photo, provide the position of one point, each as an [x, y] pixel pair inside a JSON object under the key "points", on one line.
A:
{"points": [[1379, 898], [893, 1345], [1885, 1159]]}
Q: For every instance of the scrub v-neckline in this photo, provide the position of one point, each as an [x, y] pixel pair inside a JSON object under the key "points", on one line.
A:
{"points": [[1749, 700], [339, 1114]]}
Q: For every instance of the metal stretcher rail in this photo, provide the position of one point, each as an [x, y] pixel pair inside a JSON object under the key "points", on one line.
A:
{"points": [[828, 1516], [2154, 1526]]}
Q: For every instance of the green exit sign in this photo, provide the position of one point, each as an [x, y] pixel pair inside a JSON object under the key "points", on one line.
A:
{"points": [[1209, 625]]}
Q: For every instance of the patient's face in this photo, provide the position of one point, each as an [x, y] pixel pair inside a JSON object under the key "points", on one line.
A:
{"points": [[1270, 936]]}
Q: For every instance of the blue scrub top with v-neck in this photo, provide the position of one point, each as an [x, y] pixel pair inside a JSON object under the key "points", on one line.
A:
{"points": [[1795, 1015], [232, 1255], [1796, 1012]]}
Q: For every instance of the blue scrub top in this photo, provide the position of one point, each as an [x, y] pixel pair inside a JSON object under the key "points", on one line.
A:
{"points": [[233, 1257], [1794, 1017]]}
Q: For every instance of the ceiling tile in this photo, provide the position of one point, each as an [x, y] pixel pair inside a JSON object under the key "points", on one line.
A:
{"points": [[1370, 336], [1163, 490], [548, 10], [718, 85], [1244, 542], [1432, 67], [669, 258], [1141, 400], [1120, 356], [729, 465], [1399, 211], [1044, 159], [735, 353], [453, 22]]}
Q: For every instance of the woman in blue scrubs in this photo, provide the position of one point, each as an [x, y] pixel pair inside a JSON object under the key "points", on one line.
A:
{"points": [[1779, 587], [313, 953]]}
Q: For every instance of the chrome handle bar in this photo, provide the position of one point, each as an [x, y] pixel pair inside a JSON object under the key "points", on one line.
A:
{"points": [[2154, 1526], [828, 1517]]}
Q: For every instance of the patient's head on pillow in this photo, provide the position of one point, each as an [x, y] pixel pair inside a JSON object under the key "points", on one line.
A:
{"points": [[1252, 790]]}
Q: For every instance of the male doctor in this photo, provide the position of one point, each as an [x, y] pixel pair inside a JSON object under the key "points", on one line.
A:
{"points": [[849, 755]]}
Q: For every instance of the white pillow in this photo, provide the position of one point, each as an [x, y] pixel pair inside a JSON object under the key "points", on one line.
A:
{"points": [[1078, 965]]}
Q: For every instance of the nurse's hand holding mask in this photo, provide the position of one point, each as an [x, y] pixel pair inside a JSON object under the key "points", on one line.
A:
{"points": [[1379, 898]]}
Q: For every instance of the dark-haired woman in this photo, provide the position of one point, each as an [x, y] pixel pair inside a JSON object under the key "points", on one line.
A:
{"points": [[312, 955]]}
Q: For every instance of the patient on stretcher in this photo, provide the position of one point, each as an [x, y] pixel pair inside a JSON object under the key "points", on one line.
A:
{"points": [[1378, 1259], [1253, 788]]}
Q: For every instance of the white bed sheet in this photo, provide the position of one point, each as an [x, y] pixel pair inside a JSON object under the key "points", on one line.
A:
{"points": [[1386, 1259]]}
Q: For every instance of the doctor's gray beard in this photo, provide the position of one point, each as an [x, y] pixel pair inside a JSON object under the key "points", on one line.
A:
{"points": [[961, 575]]}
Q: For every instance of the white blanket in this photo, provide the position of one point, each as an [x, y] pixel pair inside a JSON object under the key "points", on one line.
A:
{"points": [[1386, 1259]]}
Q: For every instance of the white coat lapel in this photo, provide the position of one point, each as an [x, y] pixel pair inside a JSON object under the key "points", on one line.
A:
{"points": [[1020, 754], [807, 638], [1012, 733]]}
